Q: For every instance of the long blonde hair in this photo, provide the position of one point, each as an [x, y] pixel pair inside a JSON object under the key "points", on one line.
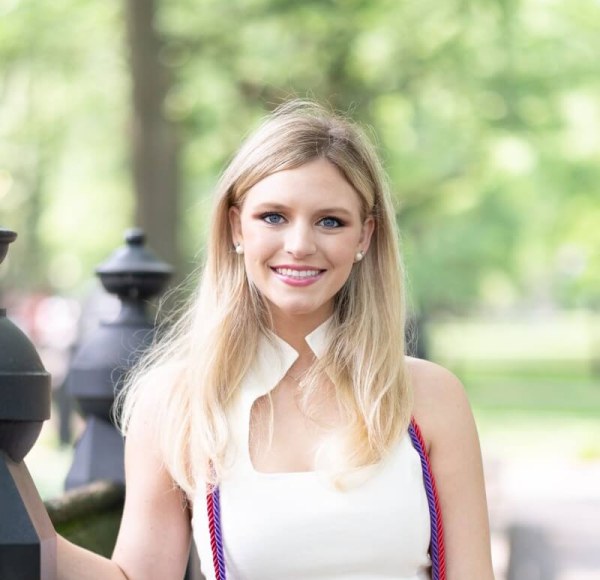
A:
{"points": [[192, 374]]}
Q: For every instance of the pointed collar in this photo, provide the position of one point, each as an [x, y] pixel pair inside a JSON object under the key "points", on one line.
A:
{"points": [[275, 357]]}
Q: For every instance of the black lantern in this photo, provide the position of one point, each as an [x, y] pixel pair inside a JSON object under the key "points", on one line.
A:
{"points": [[134, 275]]}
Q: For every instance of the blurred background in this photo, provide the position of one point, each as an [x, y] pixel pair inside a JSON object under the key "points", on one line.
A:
{"points": [[487, 117]]}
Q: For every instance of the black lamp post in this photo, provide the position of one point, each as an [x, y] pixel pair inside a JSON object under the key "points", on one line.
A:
{"points": [[27, 538], [134, 274]]}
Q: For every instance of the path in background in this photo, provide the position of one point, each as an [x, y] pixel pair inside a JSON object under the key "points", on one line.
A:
{"points": [[544, 473]]}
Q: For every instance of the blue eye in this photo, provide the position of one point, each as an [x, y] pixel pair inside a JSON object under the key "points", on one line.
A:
{"points": [[330, 222], [272, 218]]}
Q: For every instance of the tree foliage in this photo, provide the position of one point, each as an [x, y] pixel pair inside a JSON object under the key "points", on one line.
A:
{"points": [[487, 115]]}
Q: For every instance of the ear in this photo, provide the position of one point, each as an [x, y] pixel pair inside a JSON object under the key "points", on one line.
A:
{"points": [[235, 223], [366, 233]]}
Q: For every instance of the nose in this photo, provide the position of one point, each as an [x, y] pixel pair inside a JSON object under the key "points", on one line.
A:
{"points": [[300, 240]]}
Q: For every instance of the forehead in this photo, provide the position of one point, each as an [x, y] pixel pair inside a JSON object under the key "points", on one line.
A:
{"points": [[315, 184]]}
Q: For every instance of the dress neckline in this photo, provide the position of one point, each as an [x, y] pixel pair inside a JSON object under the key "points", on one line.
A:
{"points": [[275, 357]]}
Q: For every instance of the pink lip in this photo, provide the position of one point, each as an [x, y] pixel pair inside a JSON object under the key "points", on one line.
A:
{"points": [[298, 282]]}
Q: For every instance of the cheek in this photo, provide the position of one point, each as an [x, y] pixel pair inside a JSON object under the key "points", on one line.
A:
{"points": [[257, 243], [259, 248], [345, 261], [344, 251]]}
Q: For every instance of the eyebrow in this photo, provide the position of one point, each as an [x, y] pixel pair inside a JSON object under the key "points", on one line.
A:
{"points": [[266, 206]]}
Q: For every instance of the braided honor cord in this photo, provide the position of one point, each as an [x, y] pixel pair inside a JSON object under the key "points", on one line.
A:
{"points": [[213, 508], [436, 546]]}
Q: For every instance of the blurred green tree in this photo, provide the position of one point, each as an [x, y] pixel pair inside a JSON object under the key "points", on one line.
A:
{"points": [[486, 114], [154, 149], [63, 102]]}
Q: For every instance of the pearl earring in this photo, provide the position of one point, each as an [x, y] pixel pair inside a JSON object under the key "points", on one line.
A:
{"points": [[239, 249], [359, 256]]}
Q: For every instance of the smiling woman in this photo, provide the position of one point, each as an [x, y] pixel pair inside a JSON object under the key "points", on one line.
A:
{"points": [[280, 421], [301, 230]]}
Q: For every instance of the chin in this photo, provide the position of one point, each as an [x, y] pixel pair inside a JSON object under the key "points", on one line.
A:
{"points": [[299, 310]]}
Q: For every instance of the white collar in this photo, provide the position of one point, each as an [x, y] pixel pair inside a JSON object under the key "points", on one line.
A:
{"points": [[275, 357]]}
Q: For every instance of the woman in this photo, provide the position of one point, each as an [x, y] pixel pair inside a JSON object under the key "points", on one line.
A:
{"points": [[279, 422]]}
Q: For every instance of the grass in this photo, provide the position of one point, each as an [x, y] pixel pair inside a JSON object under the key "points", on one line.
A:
{"points": [[534, 384], [538, 366], [522, 434], [536, 390]]}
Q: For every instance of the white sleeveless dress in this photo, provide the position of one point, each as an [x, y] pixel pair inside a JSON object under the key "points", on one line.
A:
{"points": [[296, 526]]}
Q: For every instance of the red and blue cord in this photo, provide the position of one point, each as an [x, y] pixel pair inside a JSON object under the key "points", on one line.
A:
{"points": [[213, 506], [436, 545]]}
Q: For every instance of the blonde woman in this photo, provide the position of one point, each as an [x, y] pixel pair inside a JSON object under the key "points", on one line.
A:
{"points": [[280, 423]]}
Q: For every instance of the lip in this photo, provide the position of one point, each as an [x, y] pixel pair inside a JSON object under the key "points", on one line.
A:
{"points": [[296, 281]]}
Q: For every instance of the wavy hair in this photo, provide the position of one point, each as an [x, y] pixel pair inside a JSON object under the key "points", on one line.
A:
{"points": [[191, 375]]}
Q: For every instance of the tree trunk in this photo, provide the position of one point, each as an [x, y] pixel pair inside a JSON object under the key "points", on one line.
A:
{"points": [[154, 142]]}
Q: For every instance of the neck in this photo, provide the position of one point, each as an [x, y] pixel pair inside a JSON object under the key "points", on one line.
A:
{"points": [[294, 329]]}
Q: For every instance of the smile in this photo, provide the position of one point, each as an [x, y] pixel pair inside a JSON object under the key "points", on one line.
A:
{"points": [[297, 276], [288, 272]]}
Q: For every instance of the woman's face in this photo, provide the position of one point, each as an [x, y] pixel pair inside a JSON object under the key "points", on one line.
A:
{"points": [[300, 230]]}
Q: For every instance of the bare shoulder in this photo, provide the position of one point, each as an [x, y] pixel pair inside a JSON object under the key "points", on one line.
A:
{"points": [[143, 419], [146, 401], [431, 381], [444, 415], [440, 400]]}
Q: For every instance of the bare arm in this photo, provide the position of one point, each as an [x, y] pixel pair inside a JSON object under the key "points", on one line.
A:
{"points": [[75, 563], [154, 537], [443, 412]]}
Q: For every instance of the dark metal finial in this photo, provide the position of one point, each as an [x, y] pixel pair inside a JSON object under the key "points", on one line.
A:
{"points": [[6, 238], [135, 237], [134, 274], [133, 271]]}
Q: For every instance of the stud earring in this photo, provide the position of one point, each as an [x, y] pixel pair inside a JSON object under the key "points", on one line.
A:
{"points": [[359, 256], [239, 249]]}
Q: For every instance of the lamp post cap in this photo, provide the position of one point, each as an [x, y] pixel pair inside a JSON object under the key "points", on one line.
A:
{"points": [[6, 238]]}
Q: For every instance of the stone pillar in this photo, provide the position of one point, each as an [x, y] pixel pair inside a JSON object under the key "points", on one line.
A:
{"points": [[27, 538], [98, 369]]}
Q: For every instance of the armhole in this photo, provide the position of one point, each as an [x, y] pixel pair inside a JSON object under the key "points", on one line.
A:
{"points": [[436, 545]]}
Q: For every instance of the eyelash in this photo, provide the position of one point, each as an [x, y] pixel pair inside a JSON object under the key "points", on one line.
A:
{"points": [[265, 216], [340, 223]]}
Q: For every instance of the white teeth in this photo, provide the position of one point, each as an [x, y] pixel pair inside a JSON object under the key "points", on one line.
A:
{"points": [[297, 273]]}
